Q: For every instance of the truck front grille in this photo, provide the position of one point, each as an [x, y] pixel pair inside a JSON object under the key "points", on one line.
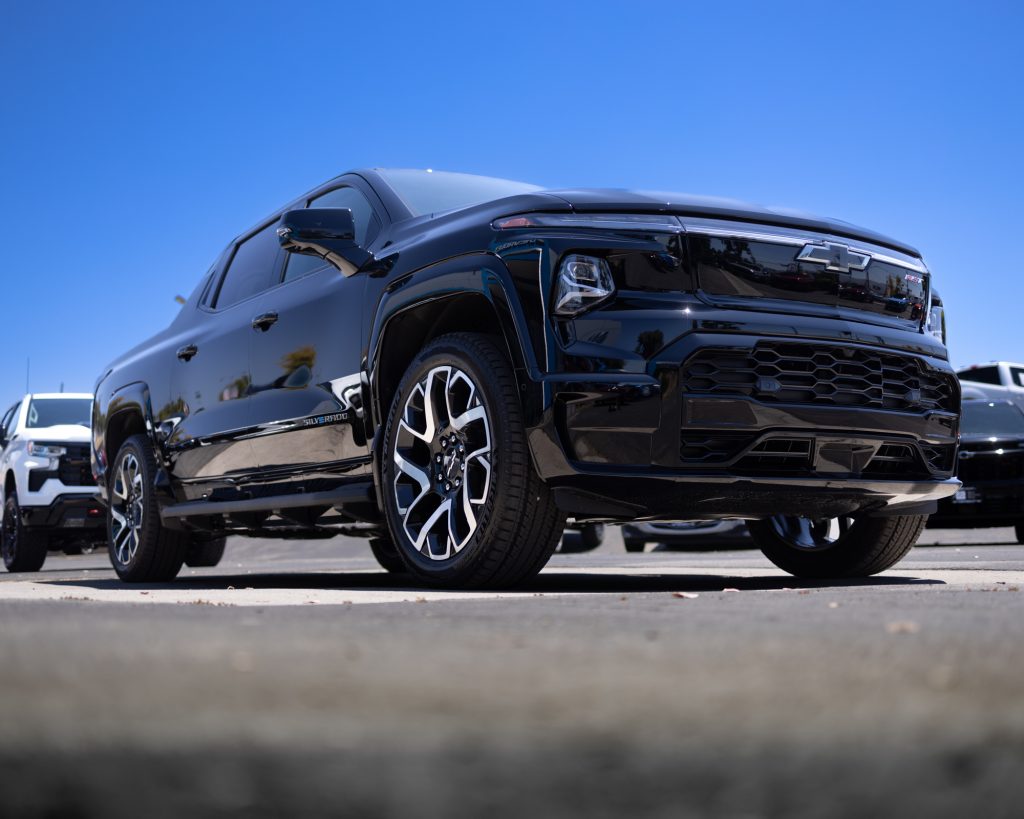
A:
{"points": [[801, 373]]}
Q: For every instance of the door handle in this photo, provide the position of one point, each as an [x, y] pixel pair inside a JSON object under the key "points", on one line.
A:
{"points": [[264, 321], [185, 353]]}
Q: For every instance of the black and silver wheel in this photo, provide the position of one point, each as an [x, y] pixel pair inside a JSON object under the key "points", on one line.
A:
{"points": [[141, 549], [23, 550], [585, 539], [204, 553], [836, 547], [464, 505]]}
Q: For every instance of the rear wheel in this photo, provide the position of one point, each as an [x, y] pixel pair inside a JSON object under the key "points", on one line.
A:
{"points": [[836, 547], [463, 503], [387, 555], [204, 553], [141, 548], [23, 550], [1019, 531], [585, 539]]}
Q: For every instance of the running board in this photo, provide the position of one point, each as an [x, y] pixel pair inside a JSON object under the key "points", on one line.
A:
{"points": [[343, 495]]}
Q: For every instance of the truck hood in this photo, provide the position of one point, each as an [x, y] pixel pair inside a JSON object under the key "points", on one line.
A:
{"points": [[62, 433], [592, 200]]}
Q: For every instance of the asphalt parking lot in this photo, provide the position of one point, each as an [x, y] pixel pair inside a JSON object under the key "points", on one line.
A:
{"points": [[297, 678]]}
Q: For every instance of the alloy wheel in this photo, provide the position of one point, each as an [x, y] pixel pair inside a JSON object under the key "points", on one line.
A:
{"points": [[126, 509], [442, 462]]}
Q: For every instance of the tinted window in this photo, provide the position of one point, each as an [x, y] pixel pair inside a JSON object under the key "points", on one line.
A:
{"points": [[1017, 375], [251, 267], [980, 375], [52, 412], [988, 418], [366, 223], [436, 191]]}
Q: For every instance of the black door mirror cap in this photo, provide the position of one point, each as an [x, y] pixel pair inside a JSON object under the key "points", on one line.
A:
{"points": [[325, 232]]}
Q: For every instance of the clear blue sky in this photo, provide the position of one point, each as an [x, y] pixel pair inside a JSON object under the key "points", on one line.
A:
{"points": [[136, 139]]}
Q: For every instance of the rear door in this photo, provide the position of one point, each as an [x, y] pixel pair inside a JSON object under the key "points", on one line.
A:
{"points": [[212, 383], [306, 392]]}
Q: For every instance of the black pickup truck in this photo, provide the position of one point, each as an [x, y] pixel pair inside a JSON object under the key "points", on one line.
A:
{"points": [[452, 365]]}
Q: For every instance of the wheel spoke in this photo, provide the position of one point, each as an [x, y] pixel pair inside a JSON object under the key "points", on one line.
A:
{"points": [[440, 458], [470, 415]]}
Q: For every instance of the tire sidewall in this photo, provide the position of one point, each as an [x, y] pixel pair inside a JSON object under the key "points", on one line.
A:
{"points": [[446, 352]]}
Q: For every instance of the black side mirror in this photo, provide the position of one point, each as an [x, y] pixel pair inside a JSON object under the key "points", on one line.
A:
{"points": [[326, 232]]}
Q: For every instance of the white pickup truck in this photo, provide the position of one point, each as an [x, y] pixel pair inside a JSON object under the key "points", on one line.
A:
{"points": [[997, 379], [49, 496]]}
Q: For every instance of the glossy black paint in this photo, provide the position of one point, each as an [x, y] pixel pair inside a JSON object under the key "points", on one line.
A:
{"points": [[286, 391], [991, 468]]}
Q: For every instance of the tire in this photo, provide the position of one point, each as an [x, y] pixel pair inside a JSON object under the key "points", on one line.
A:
{"points": [[387, 555], [840, 548], [463, 503], [634, 546], [1019, 531], [141, 549], [586, 539], [23, 550], [202, 554]]}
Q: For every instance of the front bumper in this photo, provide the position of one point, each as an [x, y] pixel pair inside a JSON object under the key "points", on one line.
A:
{"points": [[649, 446], [67, 514]]}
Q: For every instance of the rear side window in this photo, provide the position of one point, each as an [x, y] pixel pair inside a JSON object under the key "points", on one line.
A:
{"points": [[980, 375], [1017, 374], [366, 223], [251, 268]]}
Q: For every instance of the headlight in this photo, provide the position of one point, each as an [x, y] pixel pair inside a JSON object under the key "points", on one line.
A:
{"points": [[45, 450], [583, 281]]}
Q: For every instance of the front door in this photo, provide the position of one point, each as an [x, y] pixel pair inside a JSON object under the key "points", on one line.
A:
{"points": [[212, 381], [306, 391]]}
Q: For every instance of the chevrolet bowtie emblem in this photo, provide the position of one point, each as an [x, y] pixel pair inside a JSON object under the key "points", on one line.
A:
{"points": [[834, 256]]}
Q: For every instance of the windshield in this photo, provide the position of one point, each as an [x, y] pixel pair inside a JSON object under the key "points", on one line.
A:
{"points": [[989, 418], [52, 412], [439, 191]]}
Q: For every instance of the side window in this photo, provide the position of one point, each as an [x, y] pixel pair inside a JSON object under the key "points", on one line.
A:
{"points": [[1017, 373], [367, 227], [251, 268]]}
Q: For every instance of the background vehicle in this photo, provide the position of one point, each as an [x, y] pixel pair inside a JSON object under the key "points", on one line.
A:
{"points": [[453, 365], [696, 535], [49, 495], [991, 467], [998, 379]]}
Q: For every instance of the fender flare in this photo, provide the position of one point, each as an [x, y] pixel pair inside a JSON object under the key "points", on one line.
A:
{"points": [[132, 398], [477, 274]]}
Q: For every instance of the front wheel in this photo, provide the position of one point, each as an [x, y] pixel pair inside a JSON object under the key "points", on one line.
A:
{"points": [[464, 505], [23, 550], [836, 547], [141, 548]]}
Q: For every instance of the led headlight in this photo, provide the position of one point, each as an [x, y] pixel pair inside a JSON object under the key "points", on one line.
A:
{"points": [[582, 282], [45, 450]]}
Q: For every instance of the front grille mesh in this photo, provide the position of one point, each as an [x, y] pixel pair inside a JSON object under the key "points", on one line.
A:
{"points": [[798, 373]]}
